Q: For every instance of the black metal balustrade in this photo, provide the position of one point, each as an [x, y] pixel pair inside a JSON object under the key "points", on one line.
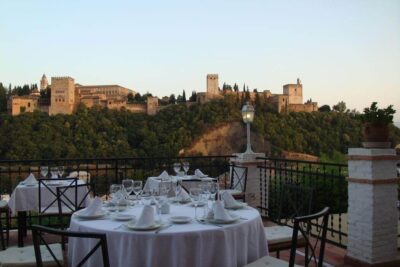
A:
{"points": [[328, 183], [106, 171]]}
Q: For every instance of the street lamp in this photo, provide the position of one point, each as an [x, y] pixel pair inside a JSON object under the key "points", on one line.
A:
{"points": [[248, 117]]}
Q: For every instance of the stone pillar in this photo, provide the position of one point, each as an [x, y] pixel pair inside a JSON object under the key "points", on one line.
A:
{"points": [[253, 175], [372, 211]]}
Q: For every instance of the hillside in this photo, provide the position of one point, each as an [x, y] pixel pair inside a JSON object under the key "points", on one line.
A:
{"points": [[213, 128]]}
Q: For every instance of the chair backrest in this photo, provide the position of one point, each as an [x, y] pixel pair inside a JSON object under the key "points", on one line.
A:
{"points": [[2, 239], [238, 178], [295, 201], [48, 193], [67, 201], [313, 228], [37, 234]]}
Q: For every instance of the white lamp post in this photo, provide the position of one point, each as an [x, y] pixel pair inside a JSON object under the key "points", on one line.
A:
{"points": [[248, 117]]}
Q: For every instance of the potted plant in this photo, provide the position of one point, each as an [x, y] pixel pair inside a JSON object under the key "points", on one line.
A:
{"points": [[376, 125]]}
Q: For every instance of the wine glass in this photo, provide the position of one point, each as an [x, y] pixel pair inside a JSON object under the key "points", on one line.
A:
{"points": [[137, 188], [115, 194], [127, 184], [186, 167], [44, 170], [177, 167], [54, 172], [61, 171], [195, 196], [214, 188]]}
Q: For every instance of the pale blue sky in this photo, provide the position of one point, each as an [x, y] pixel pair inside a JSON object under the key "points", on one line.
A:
{"points": [[342, 50]]}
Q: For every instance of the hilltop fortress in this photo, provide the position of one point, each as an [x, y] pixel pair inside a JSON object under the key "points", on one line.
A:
{"points": [[291, 99], [66, 96]]}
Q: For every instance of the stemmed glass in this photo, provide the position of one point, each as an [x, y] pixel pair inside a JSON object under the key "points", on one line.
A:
{"points": [[177, 167], [214, 188], [44, 170], [54, 172], [127, 184], [195, 196], [115, 194], [61, 171], [186, 167], [137, 188]]}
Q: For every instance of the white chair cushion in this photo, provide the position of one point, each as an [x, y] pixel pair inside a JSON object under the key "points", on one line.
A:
{"points": [[25, 256], [278, 234], [268, 261], [3, 203], [231, 191]]}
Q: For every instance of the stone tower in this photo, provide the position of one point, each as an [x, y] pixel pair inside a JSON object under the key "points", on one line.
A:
{"points": [[294, 92], [43, 82], [62, 95], [212, 84]]}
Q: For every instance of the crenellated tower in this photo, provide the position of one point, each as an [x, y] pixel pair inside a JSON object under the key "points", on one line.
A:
{"points": [[212, 84]]}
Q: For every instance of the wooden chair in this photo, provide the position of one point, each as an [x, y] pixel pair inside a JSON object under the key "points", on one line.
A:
{"points": [[313, 229], [38, 239], [238, 182], [295, 200], [25, 256]]}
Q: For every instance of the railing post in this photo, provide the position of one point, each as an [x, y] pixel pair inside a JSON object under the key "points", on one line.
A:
{"points": [[372, 210]]}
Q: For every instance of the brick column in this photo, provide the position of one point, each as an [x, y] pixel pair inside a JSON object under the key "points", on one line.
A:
{"points": [[253, 175], [372, 211]]}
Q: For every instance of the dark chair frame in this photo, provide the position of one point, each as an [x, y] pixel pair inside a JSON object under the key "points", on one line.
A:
{"points": [[295, 201], [241, 180], [37, 235], [304, 225]]}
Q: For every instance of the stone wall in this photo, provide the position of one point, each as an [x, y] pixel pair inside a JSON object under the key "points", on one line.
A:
{"points": [[20, 104]]}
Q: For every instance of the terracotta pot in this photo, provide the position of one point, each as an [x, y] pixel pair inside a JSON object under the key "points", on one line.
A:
{"points": [[376, 132]]}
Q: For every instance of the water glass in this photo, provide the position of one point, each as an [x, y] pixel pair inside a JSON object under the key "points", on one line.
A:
{"points": [[214, 188], [61, 171], [177, 167], [195, 196], [186, 167], [54, 172], [115, 194], [44, 170], [137, 188]]}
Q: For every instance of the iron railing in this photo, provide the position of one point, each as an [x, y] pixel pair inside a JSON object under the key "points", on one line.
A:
{"points": [[329, 188], [106, 171]]}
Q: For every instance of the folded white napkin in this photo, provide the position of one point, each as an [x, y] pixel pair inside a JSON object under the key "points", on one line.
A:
{"points": [[146, 218], [199, 174], [30, 179], [229, 201], [94, 207], [182, 194], [219, 212], [163, 176]]}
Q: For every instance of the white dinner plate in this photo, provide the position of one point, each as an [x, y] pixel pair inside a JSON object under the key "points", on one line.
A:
{"points": [[81, 214], [200, 204], [234, 219], [54, 183], [238, 206], [122, 217], [180, 219], [178, 200], [132, 226]]}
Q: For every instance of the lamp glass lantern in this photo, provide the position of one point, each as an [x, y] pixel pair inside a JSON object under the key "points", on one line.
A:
{"points": [[248, 117]]}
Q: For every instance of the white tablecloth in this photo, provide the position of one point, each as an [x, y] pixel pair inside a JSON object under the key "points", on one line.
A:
{"points": [[187, 181], [193, 244], [26, 198]]}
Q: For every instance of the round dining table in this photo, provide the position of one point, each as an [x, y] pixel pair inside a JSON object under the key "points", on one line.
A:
{"points": [[197, 243]]}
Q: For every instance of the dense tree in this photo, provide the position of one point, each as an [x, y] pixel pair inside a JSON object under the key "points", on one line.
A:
{"points": [[183, 96], [340, 107], [172, 99], [130, 97], [193, 97], [235, 88], [324, 108], [3, 98]]}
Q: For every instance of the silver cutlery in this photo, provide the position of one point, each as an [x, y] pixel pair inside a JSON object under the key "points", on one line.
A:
{"points": [[208, 223], [162, 228]]}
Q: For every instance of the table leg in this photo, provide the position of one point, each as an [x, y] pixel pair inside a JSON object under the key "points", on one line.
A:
{"points": [[21, 220]]}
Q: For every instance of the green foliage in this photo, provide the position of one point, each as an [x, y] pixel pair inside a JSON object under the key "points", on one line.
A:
{"points": [[375, 115], [100, 132]]}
